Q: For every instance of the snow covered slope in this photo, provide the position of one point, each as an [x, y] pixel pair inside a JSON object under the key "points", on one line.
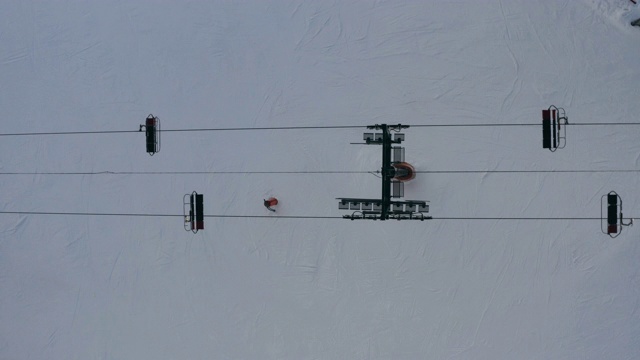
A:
{"points": [[74, 287]]}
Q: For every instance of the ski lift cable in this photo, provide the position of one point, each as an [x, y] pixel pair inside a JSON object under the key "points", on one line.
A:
{"points": [[313, 172], [526, 124], [305, 128], [62, 213], [524, 171], [291, 216], [184, 172], [188, 130], [70, 133]]}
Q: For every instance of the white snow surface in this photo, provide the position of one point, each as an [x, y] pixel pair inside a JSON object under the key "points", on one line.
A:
{"points": [[115, 287]]}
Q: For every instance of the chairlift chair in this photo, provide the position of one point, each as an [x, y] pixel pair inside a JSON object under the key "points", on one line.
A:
{"points": [[612, 223], [193, 210], [554, 128], [152, 134]]}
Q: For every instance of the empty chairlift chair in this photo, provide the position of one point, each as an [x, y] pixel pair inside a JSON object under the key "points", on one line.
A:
{"points": [[193, 209], [152, 134], [613, 222], [554, 128]]}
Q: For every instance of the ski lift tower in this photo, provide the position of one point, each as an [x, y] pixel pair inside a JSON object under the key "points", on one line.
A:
{"points": [[394, 173]]}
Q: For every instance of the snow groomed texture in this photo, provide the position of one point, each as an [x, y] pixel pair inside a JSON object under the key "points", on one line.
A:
{"points": [[271, 287]]}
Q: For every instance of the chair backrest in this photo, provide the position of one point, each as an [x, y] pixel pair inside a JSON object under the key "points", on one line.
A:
{"points": [[549, 135], [612, 213], [199, 211], [546, 129], [150, 133]]}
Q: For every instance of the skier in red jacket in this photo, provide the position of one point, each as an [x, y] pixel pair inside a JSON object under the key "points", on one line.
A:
{"points": [[270, 202]]}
